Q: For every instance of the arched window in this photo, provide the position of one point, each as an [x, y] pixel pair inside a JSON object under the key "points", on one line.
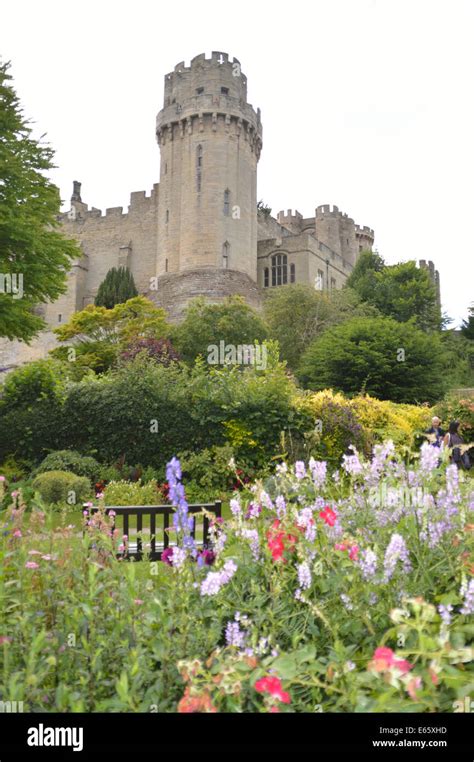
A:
{"points": [[198, 168], [225, 254], [226, 202], [266, 280], [279, 270], [292, 274]]}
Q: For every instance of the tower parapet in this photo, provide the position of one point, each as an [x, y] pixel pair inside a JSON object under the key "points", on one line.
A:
{"points": [[365, 237], [293, 222], [336, 230], [434, 278]]}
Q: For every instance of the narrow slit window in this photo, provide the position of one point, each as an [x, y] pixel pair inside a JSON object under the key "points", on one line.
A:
{"points": [[198, 168], [225, 255], [266, 279], [226, 202], [292, 273]]}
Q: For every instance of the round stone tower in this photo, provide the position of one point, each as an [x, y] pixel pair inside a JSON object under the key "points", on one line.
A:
{"points": [[210, 140]]}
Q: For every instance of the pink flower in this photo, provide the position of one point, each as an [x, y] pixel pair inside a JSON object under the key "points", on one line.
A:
{"points": [[139, 601], [2, 478], [47, 557], [384, 659], [17, 533], [111, 513], [340, 546], [413, 686], [31, 565], [353, 552], [15, 494], [272, 685], [328, 515], [4, 639], [34, 552]]}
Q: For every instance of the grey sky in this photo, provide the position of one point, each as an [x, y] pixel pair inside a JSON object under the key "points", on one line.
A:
{"points": [[366, 104]]}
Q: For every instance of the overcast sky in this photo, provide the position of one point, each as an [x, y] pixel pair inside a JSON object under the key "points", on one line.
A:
{"points": [[366, 104]]}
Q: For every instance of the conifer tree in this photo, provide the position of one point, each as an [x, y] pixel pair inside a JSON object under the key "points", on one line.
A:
{"points": [[117, 287]]}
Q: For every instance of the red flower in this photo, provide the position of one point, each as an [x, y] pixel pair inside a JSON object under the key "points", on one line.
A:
{"points": [[272, 686], [276, 541], [190, 704], [328, 515]]}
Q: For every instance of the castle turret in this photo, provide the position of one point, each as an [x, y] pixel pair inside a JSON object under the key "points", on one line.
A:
{"points": [[337, 231], [210, 140]]}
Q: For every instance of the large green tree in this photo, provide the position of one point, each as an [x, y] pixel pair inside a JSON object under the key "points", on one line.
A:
{"points": [[402, 291], [117, 287], [297, 314], [34, 256], [231, 321], [380, 356]]}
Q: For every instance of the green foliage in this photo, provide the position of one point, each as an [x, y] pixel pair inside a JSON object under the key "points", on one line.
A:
{"points": [[231, 321], [70, 460], [382, 357], [403, 291], [132, 493], [100, 334], [62, 487], [467, 328], [117, 287], [31, 409], [31, 247], [298, 314], [459, 351]]}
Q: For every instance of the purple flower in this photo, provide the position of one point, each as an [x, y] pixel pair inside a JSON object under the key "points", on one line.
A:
{"points": [[396, 551], [167, 556], [280, 506], [429, 458], [234, 636], [300, 471], [215, 580], [351, 463], [235, 506], [467, 591], [304, 575], [206, 558], [368, 563], [445, 613], [318, 471]]}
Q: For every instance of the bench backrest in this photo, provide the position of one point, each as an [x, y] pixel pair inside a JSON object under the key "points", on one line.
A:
{"points": [[157, 519]]}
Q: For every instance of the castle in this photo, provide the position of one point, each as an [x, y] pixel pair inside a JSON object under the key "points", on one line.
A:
{"points": [[199, 231]]}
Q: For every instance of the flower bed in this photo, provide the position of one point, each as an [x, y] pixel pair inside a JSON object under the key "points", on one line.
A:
{"points": [[351, 592]]}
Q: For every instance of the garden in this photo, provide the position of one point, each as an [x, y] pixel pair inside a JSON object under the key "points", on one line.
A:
{"points": [[339, 578]]}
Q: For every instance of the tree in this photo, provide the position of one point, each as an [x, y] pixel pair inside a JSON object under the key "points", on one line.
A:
{"points": [[402, 291], [379, 356], [231, 321], [98, 335], [363, 278], [34, 256], [117, 287], [467, 328], [297, 314]]}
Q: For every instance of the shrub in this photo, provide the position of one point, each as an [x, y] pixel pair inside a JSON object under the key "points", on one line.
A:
{"points": [[380, 356], [132, 493], [213, 471], [70, 460], [384, 420], [455, 409], [336, 425], [62, 487]]}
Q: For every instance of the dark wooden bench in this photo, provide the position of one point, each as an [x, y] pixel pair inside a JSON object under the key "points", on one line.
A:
{"points": [[153, 515]]}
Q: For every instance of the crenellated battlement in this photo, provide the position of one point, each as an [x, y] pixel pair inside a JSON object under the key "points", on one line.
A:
{"points": [[208, 94], [79, 212], [364, 230]]}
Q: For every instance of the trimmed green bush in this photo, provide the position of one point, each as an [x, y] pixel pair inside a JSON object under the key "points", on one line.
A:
{"points": [[62, 487], [132, 493], [70, 460]]}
